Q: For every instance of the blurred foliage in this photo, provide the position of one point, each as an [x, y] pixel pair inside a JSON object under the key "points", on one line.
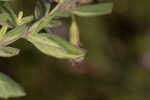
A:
{"points": [[117, 66]]}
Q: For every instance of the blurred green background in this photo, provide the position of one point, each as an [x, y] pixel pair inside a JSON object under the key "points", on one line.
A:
{"points": [[117, 65]]}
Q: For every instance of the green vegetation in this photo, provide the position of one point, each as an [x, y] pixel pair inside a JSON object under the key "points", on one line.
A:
{"points": [[34, 28]]}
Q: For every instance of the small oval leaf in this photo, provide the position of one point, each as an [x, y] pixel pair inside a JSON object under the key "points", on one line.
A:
{"points": [[94, 10], [8, 52]]}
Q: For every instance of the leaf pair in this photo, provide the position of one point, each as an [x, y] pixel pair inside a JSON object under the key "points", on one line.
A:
{"points": [[8, 38], [23, 20]]}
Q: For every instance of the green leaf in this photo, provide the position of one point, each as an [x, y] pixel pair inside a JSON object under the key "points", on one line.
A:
{"points": [[4, 20], [8, 52], [3, 31], [54, 23], [42, 8], [23, 20], [94, 10], [40, 24], [4, 0], [55, 46], [37, 26], [12, 35], [39, 11], [3, 17], [19, 19], [85, 1], [63, 14], [9, 88], [9, 12], [27, 19]]}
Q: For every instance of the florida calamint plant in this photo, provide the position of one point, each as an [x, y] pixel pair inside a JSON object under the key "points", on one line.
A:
{"points": [[36, 30]]}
